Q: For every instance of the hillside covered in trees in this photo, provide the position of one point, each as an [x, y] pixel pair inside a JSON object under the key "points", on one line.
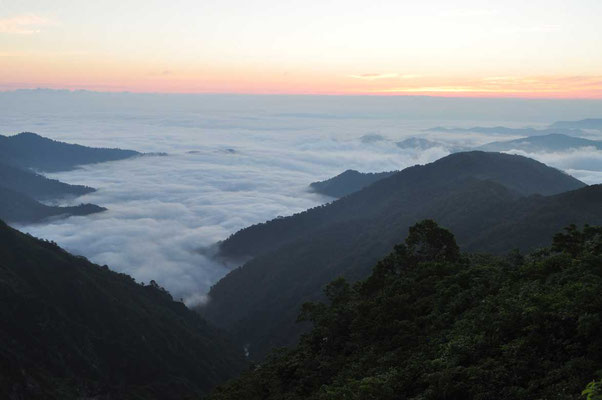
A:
{"points": [[72, 330], [431, 322], [487, 199]]}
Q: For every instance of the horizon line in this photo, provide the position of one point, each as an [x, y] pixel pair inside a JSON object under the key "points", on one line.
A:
{"points": [[443, 95]]}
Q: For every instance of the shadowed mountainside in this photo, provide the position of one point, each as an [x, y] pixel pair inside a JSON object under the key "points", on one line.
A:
{"points": [[432, 323], [476, 194], [519, 174], [21, 189], [16, 207], [30, 150], [76, 330], [37, 186]]}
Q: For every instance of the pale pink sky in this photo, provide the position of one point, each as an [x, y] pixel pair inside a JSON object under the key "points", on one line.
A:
{"points": [[513, 48]]}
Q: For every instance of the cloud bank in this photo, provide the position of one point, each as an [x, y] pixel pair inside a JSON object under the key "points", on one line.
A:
{"points": [[230, 164]]}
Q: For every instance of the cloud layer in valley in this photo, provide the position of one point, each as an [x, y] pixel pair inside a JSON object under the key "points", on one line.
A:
{"points": [[232, 162]]}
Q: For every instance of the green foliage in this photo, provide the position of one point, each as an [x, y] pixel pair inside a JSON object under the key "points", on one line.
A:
{"points": [[428, 242], [575, 242], [446, 326], [593, 391]]}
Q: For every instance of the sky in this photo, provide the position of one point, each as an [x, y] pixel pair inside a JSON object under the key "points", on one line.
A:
{"points": [[514, 48]]}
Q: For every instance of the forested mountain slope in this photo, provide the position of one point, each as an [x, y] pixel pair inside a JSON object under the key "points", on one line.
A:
{"points": [[402, 189], [432, 323], [296, 256], [74, 330]]}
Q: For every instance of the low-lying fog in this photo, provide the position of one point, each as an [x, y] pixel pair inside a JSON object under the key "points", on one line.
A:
{"points": [[232, 163]]}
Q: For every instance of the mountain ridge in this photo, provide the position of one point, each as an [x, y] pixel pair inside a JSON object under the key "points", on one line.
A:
{"points": [[477, 164], [547, 143], [294, 257], [30, 150]]}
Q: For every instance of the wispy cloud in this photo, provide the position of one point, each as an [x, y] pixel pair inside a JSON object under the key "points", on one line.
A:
{"points": [[578, 86], [410, 76], [529, 29], [164, 72], [467, 12], [373, 77], [24, 24]]}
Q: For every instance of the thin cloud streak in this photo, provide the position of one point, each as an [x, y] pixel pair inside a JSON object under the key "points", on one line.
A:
{"points": [[28, 24], [537, 86]]}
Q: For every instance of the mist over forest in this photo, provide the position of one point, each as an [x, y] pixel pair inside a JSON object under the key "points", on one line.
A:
{"points": [[233, 161]]}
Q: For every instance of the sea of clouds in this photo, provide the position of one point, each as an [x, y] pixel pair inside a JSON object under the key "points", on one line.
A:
{"points": [[232, 162]]}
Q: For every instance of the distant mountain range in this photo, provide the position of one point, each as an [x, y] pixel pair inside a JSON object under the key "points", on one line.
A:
{"points": [[418, 143], [492, 201], [545, 143], [73, 330], [589, 123], [508, 131], [351, 181], [22, 189], [30, 150]]}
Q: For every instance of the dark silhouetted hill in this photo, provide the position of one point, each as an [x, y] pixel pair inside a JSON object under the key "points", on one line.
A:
{"points": [[347, 182], [16, 207], [418, 143], [520, 174], [74, 330], [477, 194], [30, 150], [544, 143], [37, 186]]}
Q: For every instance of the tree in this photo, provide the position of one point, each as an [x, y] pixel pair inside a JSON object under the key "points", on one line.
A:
{"points": [[427, 241]]}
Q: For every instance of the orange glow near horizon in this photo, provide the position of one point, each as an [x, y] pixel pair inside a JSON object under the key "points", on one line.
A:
{"points": [[227, 80], [539, 49]]}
